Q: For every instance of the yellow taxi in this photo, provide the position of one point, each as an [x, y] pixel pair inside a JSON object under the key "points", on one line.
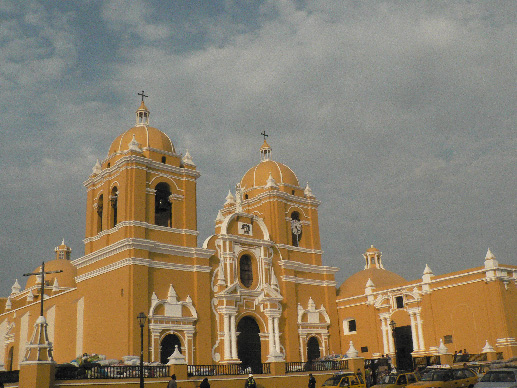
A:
{"points": [[446, 378], [397, 380], [345, 379]]}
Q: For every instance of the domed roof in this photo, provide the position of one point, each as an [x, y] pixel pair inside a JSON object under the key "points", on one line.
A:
{"points": [[147, 137], [381, 278], [64, 279], [257, 176]]}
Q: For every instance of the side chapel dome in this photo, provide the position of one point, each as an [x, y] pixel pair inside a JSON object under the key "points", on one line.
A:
{"points": [[64, 279], [374, 270]]}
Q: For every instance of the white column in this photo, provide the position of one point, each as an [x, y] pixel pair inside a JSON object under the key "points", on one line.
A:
{"points": [[227, 343], [384, 336], [390, 339], [234, 336], [271, 334], [413, 331], [420, 331], [277, 335]]}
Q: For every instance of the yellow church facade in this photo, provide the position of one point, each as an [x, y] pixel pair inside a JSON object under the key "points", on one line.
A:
{"points": [[255, 291]]}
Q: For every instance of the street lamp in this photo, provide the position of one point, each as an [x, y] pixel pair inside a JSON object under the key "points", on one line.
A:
{"points": [[393, 325], [141, 321]]}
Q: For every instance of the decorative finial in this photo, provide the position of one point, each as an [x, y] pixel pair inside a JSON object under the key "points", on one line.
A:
{"points": [[97, 168], [308, 191], [489, 255], [134, 145], [15, 287], [230, 199], [187, 159], [271, 183]]}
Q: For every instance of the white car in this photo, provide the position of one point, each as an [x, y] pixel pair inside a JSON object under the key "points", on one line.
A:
{"points": [[498, 378]]}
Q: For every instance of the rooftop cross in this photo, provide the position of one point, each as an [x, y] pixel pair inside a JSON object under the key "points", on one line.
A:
{"points": [[42, 273], [143, 95], [264, 134]]}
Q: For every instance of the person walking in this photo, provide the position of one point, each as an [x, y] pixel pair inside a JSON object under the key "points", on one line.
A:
{"points": [[312, 381], [204, 383], [172, 383], [250, 382]]}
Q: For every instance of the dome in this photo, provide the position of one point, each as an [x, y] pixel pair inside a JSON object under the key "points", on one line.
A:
{"points": [[381, 278], [64, 279], [258, 176], [147, 137]]}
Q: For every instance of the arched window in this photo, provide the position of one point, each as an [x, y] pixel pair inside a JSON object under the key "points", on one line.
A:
{"points": [[246, 271], [162, 205], [296, 228], [100, 207], [114, 206]]}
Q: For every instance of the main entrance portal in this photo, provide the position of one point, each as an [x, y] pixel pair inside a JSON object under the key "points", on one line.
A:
{"points": [[404, 347], [313, 349], [248, 345]]}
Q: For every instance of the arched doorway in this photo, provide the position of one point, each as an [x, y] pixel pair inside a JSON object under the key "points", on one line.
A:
{"points": [[248, 345], [403, 347], [313, 349], [167, 347]]}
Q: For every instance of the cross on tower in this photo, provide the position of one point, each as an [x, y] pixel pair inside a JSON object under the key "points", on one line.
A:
{"points": [[42, 273], [143, 95], [264, 134]]}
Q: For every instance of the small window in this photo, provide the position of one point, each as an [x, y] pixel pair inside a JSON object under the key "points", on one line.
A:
{"points": [[349, 326], [399, 301], [109, 164], [246, 271], [296, 228], [99, 213], [162, 205], [245, 196], [364, 349], [114, 206], [292, 192], [164, 159], [447, 339]]}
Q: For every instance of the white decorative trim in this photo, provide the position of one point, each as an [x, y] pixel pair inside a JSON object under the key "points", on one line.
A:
{"points": [[312, 282], [140, 224], [144, 244], [141, 261], [302, 267], [299, 249]]}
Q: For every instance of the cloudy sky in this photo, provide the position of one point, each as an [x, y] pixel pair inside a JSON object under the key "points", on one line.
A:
{"points": [[401, 115]]}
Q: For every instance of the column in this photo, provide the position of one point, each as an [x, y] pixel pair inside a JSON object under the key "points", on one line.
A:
{"points": [[277, 335], [413, 331], [271, 335], [227, 344], [420, 331], [390, 339], [384, 336], [234, 337]]}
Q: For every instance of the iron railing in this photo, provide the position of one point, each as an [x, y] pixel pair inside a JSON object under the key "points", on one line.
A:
{"points": [[316, 366], [228, 369], [70, 372], [11, 376]]}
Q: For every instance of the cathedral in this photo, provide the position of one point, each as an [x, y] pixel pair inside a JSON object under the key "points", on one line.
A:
{"points": [[256, 291]]}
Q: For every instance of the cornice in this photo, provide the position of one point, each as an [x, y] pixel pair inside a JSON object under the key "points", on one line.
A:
{"points": [[144, 262], [299, 249], [140, 224], [142, 244], [312, 282], [302, 267], [149, 165]]}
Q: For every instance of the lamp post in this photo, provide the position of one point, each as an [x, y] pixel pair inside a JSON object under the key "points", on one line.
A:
{"points": [[141, 321], [393, 325]]}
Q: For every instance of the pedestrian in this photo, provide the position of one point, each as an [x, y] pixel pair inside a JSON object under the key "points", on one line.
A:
{"points": [[204, 383], [312, 381], [250, 382], [172, 383]]}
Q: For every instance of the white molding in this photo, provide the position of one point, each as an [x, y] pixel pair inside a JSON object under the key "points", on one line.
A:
{"points": [[143, 244], [141, 261], [302, 267], [312, 282], [149, 166], [299, 249], [139, 224]]}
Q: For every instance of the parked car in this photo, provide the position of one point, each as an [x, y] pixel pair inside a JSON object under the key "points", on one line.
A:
{"points": [[446, 378], [345, 379], [397, 380], [498, 378]]}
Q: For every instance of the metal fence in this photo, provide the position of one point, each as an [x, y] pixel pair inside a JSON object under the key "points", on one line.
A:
{"points": [[470, 357], [228, 369], [12, 376], [316, 366], [70, 372]]}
